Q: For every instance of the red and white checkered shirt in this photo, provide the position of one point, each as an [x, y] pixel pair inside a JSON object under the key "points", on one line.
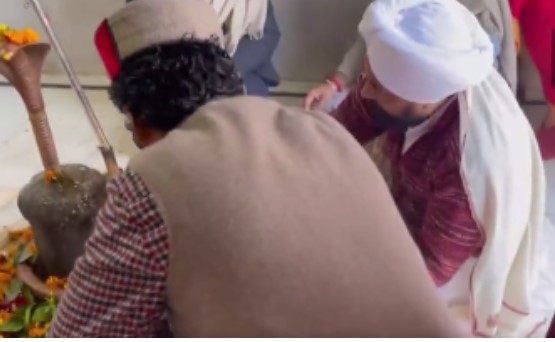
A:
{"points": [[117, 289]]}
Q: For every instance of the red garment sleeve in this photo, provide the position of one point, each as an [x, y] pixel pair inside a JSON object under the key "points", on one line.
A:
{"points": [[354, 114], [450, 235], [516, 8]]}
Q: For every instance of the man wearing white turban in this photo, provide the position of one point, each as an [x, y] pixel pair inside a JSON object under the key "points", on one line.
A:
{"points": [[465, 166]]}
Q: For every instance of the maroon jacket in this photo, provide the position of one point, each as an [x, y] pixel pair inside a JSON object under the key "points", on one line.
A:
{"points": [[426, 184]]}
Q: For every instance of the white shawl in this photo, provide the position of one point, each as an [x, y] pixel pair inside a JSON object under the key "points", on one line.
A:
{"points": [[243, 17], [507, 195]]}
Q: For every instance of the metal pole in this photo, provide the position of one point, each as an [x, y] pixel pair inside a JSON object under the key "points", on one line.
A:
{"points": [[105, 147]]}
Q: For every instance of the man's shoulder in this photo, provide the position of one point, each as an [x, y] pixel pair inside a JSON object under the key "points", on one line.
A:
{"points": [[128, 186], [131, 207]]}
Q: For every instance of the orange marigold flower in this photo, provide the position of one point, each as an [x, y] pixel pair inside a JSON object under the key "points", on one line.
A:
{"points": [[15, 235], [5, 277], [31, 36], [5, 316], [7, 266], [54, 283], [51, 282], [51, 176], [33, 247], [27, 235], [22, 37], [35, 330], [14, 37]]}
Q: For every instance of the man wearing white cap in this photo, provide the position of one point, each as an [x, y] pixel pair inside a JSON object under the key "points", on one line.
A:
{"points": [[467, 175]]}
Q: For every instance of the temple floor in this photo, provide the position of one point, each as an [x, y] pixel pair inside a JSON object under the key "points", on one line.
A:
{"points": [[76, 142]]}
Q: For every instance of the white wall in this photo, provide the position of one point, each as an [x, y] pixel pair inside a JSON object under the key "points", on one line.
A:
{"points": [[315, 33]]}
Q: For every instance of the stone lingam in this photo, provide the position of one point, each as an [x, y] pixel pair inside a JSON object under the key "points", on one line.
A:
{"points": [[61, 201]]}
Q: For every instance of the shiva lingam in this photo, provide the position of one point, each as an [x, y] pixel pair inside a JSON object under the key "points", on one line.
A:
{"points": [[61, 201]]}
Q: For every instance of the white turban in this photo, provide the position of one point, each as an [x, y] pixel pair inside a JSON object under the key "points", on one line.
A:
{"points": [[425, 50]]}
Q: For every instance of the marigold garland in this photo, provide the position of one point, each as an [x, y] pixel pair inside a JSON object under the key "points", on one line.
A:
{"points": [[17, 38], [22, 314]]}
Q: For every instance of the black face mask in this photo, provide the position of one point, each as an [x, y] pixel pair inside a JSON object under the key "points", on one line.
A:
{"points": [[396, 123]]}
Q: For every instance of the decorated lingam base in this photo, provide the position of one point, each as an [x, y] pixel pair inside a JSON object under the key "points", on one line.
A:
{"points": [[60, 203], [28, 303], [61, 209]]}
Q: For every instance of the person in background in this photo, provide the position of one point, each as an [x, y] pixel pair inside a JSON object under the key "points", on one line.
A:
{"points": [[493, 15], [466, 171], [251, 37], [268, 221], [535, 22]]}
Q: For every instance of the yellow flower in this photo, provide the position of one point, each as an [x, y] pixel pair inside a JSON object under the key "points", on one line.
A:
{"points": [[3, 28], [7, 56]]}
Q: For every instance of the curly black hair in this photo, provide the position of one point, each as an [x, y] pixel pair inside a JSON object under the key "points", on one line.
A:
{"points": [[163, 85]]}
